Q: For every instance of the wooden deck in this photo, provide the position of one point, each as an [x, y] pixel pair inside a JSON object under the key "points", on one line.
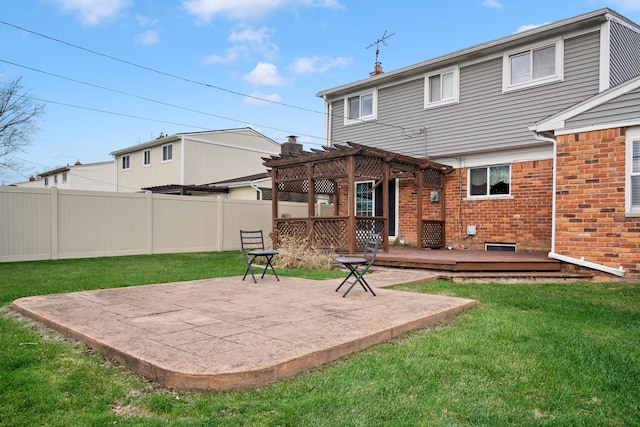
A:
{"points": [[482, 266]]}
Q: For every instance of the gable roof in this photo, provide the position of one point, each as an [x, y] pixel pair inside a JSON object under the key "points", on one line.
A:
{"points": [[558, 121], [476, 52], [161, 140]]}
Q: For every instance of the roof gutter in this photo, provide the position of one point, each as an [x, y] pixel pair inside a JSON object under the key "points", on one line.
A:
{"points": [[254, 185], [553, 255]]}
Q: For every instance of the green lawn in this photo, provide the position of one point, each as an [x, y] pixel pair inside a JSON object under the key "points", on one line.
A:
{"points": [[566, 354]]}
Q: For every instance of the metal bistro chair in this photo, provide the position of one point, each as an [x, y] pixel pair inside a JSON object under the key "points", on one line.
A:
{"points": [[359, 266], [252, 248]]}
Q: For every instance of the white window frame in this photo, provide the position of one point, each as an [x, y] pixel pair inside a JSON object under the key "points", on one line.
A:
{"points": [[55, 179], [633, 137], [488, 195], [64, 177], [146, 158], [556, 77], [373, 197], [454, 99], [46, 181], [361, 118], [125, 162], [167, 153]]}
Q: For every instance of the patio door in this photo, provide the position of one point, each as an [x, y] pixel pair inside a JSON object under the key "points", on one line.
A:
{"points": [[369, 202]]}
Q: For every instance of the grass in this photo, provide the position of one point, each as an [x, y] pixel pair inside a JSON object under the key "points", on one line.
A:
{"points": [[561, 355]]}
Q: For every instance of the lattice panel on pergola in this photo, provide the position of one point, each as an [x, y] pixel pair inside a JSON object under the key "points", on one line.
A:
{"points": [[291, 173], [330, 234], [325, 186], [432, 234], [402, 167], [300, 186], [330, 169], [368, 166], [292, 229], [432, 178], [366, 226]]}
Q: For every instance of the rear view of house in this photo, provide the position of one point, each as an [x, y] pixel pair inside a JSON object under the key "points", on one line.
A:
{"points": [[526, 122]]}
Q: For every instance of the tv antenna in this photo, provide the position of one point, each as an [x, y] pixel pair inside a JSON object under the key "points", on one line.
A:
{"points": [[382, 40]]}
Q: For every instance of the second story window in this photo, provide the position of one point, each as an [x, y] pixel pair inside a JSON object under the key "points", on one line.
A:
{"points": [[533, 66], [125, 162], [64, 177], [360, 107], [46, 181], [490, 181], [441, 87], [146, 158], [167, 153], [55, 179]]}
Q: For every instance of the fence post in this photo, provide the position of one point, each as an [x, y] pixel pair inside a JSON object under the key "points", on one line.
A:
{"points": [[220, 221], [53, 215], [149, 231]]}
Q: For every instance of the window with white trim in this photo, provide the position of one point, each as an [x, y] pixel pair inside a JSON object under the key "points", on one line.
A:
{"points": [[533, 66], [167, 153], [55, 179], [365, 198], [441, 87], [633, 168], [489, 181], [146, 155], [64, 177], [125, 162], [46, 181], [360, 107]]}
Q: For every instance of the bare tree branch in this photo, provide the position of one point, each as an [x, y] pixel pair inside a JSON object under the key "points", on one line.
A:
{"points": [[18, 116]]}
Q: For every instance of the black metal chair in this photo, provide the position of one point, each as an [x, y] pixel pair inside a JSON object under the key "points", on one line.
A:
{"points": [[252, 243], [358, 266]]}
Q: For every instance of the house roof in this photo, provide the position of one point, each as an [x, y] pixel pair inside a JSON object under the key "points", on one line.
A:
{"points": [[69, 167], [242, 180], [185, 189], [558, 121], [494, 47], [161, 140]]}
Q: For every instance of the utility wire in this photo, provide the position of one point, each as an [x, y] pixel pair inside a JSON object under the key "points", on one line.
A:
{"points": [[149, 100], [185, 79]]}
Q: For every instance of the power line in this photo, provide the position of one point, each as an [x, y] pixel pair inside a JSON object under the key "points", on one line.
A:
{"points": [[185, 79], [146, 99]]}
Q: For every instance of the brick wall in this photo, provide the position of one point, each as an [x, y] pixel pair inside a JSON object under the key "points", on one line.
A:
{"points": [[523, 219], [590, 198]]}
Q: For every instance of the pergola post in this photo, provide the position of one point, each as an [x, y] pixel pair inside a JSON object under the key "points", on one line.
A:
{"points": [[311, 198], [419, 208], [274, 206], [385, 205], [351, 202]]}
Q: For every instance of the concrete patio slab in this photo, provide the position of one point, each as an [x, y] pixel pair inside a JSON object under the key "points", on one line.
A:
{"points": [[228, 334]]}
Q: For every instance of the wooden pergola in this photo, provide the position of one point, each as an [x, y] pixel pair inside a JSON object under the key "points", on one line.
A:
{"points": [[334, 172]]}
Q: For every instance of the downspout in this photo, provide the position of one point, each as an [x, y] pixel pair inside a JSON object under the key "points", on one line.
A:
{"points": [[255, 187], [553, 255]]}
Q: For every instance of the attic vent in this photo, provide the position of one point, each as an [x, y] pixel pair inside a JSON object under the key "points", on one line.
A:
{"points": [[504, 247]]}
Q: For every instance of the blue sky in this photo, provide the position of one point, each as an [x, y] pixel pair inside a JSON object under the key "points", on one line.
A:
{"points": [[115, 73]]}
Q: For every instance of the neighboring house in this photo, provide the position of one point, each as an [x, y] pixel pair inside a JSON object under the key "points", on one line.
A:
{"points": [[88, 177], [191, 159], [502, 114]]}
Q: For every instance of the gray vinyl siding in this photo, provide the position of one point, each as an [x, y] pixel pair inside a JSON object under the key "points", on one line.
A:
{"points": [[622, 109], [485, 119], [625, 45]]}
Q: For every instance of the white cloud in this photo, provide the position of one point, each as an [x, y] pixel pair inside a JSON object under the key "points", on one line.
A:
{"points": [[144, 21], [317, 64], [528, 27], [265, 74], [93, 12], [258, 40], [493, 4], [148, 38], [205, 10], [261, 99], [233, 54]]}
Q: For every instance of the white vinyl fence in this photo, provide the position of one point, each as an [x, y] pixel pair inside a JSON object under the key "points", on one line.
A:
{"points": [[38, 224]]}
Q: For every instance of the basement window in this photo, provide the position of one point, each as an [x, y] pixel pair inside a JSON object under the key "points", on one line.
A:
{"points": [[501, 247]]}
